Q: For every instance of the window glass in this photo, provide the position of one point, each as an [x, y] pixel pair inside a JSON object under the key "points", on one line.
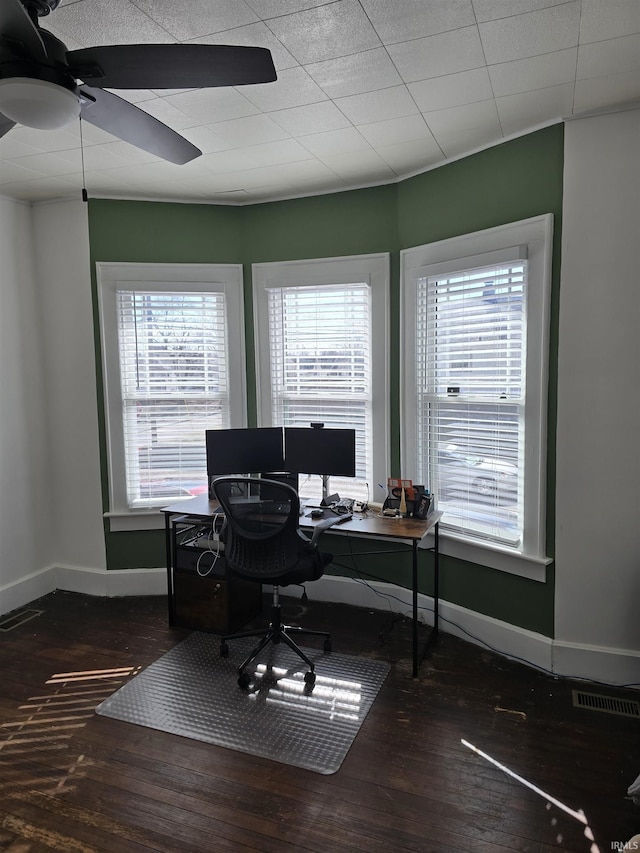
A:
{"points": [[474, 385], [316, 359], [173, 348]]}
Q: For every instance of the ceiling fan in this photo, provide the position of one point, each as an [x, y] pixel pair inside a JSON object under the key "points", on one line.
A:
{"points": [[44, 85]]}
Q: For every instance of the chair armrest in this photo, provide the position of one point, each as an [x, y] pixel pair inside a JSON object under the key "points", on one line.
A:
{"points": [[323, 525]]}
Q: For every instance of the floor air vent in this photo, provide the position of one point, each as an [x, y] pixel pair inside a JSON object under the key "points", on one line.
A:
{"points": [[608, 704], [18, 618]]}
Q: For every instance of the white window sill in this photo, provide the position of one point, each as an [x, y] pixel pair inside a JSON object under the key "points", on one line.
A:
{"points": [[494, 556], [147, 519]]}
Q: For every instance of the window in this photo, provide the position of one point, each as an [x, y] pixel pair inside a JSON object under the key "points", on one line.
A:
{"points": [[475, 314], [316, 324], [172, 350]]}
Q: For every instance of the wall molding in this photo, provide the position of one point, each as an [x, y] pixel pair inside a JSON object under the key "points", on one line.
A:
{"points": [[568, 660]]}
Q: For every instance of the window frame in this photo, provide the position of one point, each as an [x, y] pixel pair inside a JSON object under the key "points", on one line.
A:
{"points": [[373, 269], [536, 236], [204, 278]]}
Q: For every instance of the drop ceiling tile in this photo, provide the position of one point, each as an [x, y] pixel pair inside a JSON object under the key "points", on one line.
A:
{"points": [[197, 17], [50, 165], [99, 157], [598, 92], [412, 156], [478, 117], [545, 31], [377, 106], [403, 20], [44, 188], [490, 10], [458, 143], [234, 160], [354, 74], [48, 140], [12, 146], [12, 171], [526, 109], [396, 131], [254, 35], [608, 57], [606, 20], [277, 153], [332, 30], [293, 89], [360, 167], [206, 106], [205, 138], [309, 170], [165, 111], [93, 22], [435, 56], [452, 90], [335, 142], [275, 8], [249, 130], [536, 72], [312, 118], [127, 153]]}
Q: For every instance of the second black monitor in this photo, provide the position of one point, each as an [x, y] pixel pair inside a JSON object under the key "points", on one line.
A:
{"points": [[311, 450]]}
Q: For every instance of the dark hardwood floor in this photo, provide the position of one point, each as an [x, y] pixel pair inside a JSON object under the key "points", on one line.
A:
{"points": [[73, 781]]}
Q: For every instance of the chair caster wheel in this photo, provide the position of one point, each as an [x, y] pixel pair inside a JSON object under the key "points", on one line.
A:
{"points": [[327, 645], [309, 677], [224, 650], [244, 680]]}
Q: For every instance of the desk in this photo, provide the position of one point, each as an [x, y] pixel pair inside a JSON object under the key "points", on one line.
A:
{"points": [[371, 525]]}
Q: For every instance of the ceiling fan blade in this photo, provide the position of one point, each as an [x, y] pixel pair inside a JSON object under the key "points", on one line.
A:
{"points": [[5, 125], [16, 26], [171, 66], [124, 120]]}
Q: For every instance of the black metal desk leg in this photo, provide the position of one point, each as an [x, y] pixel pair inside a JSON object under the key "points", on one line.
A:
{"points": [[170, 559], [415, 607], [436, 577]]}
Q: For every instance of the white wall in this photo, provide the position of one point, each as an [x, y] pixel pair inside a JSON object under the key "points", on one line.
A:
{"points": [[598, 448], [26, 530], [50, 493], [64, 277]]}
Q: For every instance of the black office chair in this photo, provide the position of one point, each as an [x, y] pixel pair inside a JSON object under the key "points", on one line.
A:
{"points": [[262, 542]]}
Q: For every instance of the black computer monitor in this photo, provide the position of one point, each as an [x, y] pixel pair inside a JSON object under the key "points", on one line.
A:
{"points": [[313, 450], [244, 451]]}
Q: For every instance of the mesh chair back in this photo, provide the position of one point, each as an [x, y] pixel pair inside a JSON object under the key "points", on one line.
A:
{"points": [[261, 539]]}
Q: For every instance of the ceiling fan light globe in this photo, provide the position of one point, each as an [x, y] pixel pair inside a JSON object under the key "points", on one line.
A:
{"points": [[38, 103]]}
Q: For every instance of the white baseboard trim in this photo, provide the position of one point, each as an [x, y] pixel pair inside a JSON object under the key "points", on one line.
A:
{"points": [[509, 640], [22, 592], [597, 663], [112, 583], [570, 660]]}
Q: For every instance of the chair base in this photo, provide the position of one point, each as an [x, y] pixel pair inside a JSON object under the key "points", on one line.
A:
{"points": [[276, 633]]}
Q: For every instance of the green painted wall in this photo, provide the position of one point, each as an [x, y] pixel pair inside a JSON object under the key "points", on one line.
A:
{"points": [[512, 181]]}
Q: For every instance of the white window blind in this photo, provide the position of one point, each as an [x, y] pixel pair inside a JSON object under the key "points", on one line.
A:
{"points": [[174, 368], [320, 357], [470, 384]]}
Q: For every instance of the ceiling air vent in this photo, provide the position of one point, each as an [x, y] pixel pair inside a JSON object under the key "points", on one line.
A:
{"points": [[608, 704]]}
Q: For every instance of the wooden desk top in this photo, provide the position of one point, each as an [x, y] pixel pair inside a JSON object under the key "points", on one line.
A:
{"points": [[365, 524]]}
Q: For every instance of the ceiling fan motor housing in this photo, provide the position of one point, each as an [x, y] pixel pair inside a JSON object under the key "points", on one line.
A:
{"points": [[40, 8]]}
